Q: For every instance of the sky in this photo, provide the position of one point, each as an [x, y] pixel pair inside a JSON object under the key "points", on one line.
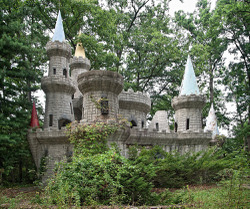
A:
{"points": [[186, 6]]}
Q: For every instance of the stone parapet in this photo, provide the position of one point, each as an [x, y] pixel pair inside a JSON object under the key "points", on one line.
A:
{"points": [[58, 84], [144, 137], [131, 100], [49, 135], [188, 101], [97, 80], [79, 62], [57, 48]]}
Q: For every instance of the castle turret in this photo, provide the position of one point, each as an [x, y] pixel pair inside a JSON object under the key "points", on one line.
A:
{"points": [[100, 91], [58, 85], [79, 64], [189, 104], [134, 106]]}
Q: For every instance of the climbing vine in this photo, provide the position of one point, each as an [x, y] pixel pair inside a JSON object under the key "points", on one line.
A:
{"points": [[99, 103], [91, 139]]}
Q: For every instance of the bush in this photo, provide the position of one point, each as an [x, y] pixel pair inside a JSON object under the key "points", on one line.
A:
{"points": [[105, 179]]}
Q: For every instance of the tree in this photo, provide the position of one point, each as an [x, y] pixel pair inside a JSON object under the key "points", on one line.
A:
{"points": [[235, 18], [208, 47], [22, 53]]}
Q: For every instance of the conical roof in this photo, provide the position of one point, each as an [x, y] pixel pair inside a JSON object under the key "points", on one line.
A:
{"points": [[59, 32], [211, 122], [189, 83], [34, 119]]}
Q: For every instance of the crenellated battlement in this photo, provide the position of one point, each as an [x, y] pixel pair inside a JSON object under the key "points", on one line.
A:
{"points": [[58, 84], [57, 48], [188, 101], [79, 62], [98, 80], [134, 101]]}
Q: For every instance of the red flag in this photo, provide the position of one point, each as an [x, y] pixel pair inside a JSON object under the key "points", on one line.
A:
{"points": [[34, 119]]}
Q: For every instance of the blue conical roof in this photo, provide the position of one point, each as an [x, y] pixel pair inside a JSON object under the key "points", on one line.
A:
{"points": [[189, 83], [59, 32]]}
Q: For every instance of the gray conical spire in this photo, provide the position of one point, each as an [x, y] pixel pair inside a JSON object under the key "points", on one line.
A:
{"points": [[189, 83], [59, 32]]}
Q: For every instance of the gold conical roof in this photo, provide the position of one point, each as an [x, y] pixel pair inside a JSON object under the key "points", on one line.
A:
{"points": [[79, 50]]}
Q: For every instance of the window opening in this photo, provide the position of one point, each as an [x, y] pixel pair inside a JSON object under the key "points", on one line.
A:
{"points": [[175, 127], [142, 124], [71, 110], [157, 126], [63, 122], [50, 120], [133, 123], [54, 71], [104, 105], [187, 124], [65, 72]]}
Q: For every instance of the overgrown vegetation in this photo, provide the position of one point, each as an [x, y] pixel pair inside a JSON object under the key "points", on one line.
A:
{"points": [[98, 175]]}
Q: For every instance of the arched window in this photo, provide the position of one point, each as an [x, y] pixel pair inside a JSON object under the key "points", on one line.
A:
{"points": [[175, 127], [54, 70], [63, 122], [157, 126], [133, 123]]}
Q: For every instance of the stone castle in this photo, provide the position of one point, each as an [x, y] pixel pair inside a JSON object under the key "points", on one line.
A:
{"points": [[71, 93]]}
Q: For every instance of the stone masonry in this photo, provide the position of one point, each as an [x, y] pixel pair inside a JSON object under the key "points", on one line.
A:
{"points": [[90, 96]]}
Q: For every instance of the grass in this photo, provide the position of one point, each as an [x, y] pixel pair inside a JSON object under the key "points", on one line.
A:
{"points": [[212, 196]]}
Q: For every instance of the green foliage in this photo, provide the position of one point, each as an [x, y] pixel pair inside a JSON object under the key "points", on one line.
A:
{"points": [[90, 139], [97, 175], [106, 179], [22, 55], [174, 170]]}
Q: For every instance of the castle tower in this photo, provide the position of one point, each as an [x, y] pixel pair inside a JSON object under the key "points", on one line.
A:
{"points": [[58, 86], [134, 106], [79, 64], [100, 91], [189, 104]]}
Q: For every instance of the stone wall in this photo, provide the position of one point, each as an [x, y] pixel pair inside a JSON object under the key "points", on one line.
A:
{"points": [[59, 104], [97, 86], [188, 112], [54, 144], [134, 106], [159, 122]]}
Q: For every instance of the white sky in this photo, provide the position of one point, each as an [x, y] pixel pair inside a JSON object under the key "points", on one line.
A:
{"points": [[186, 6]]}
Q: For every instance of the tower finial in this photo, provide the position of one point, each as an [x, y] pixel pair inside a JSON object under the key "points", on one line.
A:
{"points": [[211, 122], [59, 32], [34, 119], [189, 83], [80, 52]]}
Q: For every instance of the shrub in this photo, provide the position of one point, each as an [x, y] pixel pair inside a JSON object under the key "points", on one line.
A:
{"points": [[105, 179]]}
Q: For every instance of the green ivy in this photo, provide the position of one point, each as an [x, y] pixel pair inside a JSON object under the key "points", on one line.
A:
{"points": [[91, 139]]}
